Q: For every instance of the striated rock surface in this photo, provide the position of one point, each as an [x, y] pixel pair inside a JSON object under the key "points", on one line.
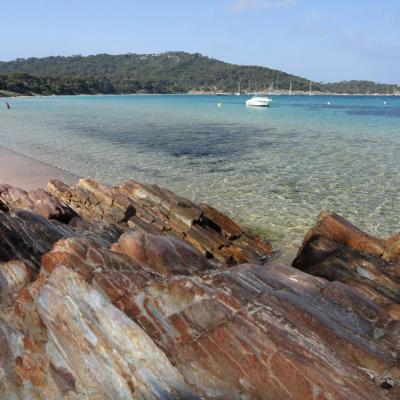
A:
{"points": [[27, 236], [38, 201], [338, 251], [166, 255], [142, 294], [268, 331], [151, 209], [81, 347]]}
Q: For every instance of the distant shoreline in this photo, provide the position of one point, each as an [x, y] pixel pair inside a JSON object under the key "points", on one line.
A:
{"points": [[306, 94]]}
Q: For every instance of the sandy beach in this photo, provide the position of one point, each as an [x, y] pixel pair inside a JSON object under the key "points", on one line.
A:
{"points": [[27, 173]]}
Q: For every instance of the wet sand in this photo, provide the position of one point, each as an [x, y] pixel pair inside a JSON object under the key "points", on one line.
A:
{"points": [[26, 173]]}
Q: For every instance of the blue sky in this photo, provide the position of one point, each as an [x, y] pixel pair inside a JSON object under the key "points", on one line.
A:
{"points": [[323, 40]]}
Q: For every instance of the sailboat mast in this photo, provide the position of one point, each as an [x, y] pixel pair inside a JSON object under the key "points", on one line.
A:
{"points": [[310, 88], [238, 93], [290, 88]]}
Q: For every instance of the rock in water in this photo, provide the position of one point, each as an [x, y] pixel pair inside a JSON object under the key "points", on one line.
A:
{"points": [[338, 251]]}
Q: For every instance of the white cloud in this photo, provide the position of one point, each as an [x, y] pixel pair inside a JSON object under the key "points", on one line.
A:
{"points": [[243, 5]]}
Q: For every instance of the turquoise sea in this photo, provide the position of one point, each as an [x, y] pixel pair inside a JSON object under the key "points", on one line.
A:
{"points": [[272, 169]]}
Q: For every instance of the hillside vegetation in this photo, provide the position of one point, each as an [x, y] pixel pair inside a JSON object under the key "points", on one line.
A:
{"points": [[172, 72]]}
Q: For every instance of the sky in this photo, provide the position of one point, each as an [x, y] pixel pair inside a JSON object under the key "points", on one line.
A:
{"points": [[322, 40]]}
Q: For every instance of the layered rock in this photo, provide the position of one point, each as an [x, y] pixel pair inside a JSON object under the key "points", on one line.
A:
{"points": [[336, 250], [166, 255], [267, 331], [13, 277], [142, 294], [82, 347], [27, 236], [38, 201], [151, 209]]}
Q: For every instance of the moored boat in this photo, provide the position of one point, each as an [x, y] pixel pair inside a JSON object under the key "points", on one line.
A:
{"points": [[258, 101]]}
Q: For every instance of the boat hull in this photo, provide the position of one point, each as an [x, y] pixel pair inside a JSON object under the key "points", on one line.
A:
{"points": [[258, 102]]}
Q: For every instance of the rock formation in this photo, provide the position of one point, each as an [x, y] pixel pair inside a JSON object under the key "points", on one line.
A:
{"points": [[150, 209], [132, 292], [338, 251]]}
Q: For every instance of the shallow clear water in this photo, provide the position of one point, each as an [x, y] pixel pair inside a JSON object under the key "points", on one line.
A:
{"points": [[274, 169]]}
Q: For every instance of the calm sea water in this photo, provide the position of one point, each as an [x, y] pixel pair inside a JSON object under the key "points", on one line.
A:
{"points": [[273, 169]]}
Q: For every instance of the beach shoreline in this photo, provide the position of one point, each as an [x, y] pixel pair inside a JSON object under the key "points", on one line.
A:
{"points": [[27, 173]]}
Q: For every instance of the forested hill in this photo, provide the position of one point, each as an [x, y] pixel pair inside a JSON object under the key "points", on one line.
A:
{"points": [[172, 72]]}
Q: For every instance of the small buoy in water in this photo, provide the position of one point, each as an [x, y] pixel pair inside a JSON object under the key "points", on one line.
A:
{"points": [[219, 104], [329, 103], [384, 102]]}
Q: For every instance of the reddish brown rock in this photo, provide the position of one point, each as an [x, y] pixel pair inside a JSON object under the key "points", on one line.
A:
{"points": [[392, 249], [14, 275], [221, 222], [91, 309], [166, 255], [38, 201], [338, 251], [155, 210], [167, 202], [205, 228], [65, 340], [94, 201], [269, 332], [27, 236]]}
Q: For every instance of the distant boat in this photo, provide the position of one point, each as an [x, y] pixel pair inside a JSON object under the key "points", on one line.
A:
{"points": [[258, 101], [222, 94]]}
